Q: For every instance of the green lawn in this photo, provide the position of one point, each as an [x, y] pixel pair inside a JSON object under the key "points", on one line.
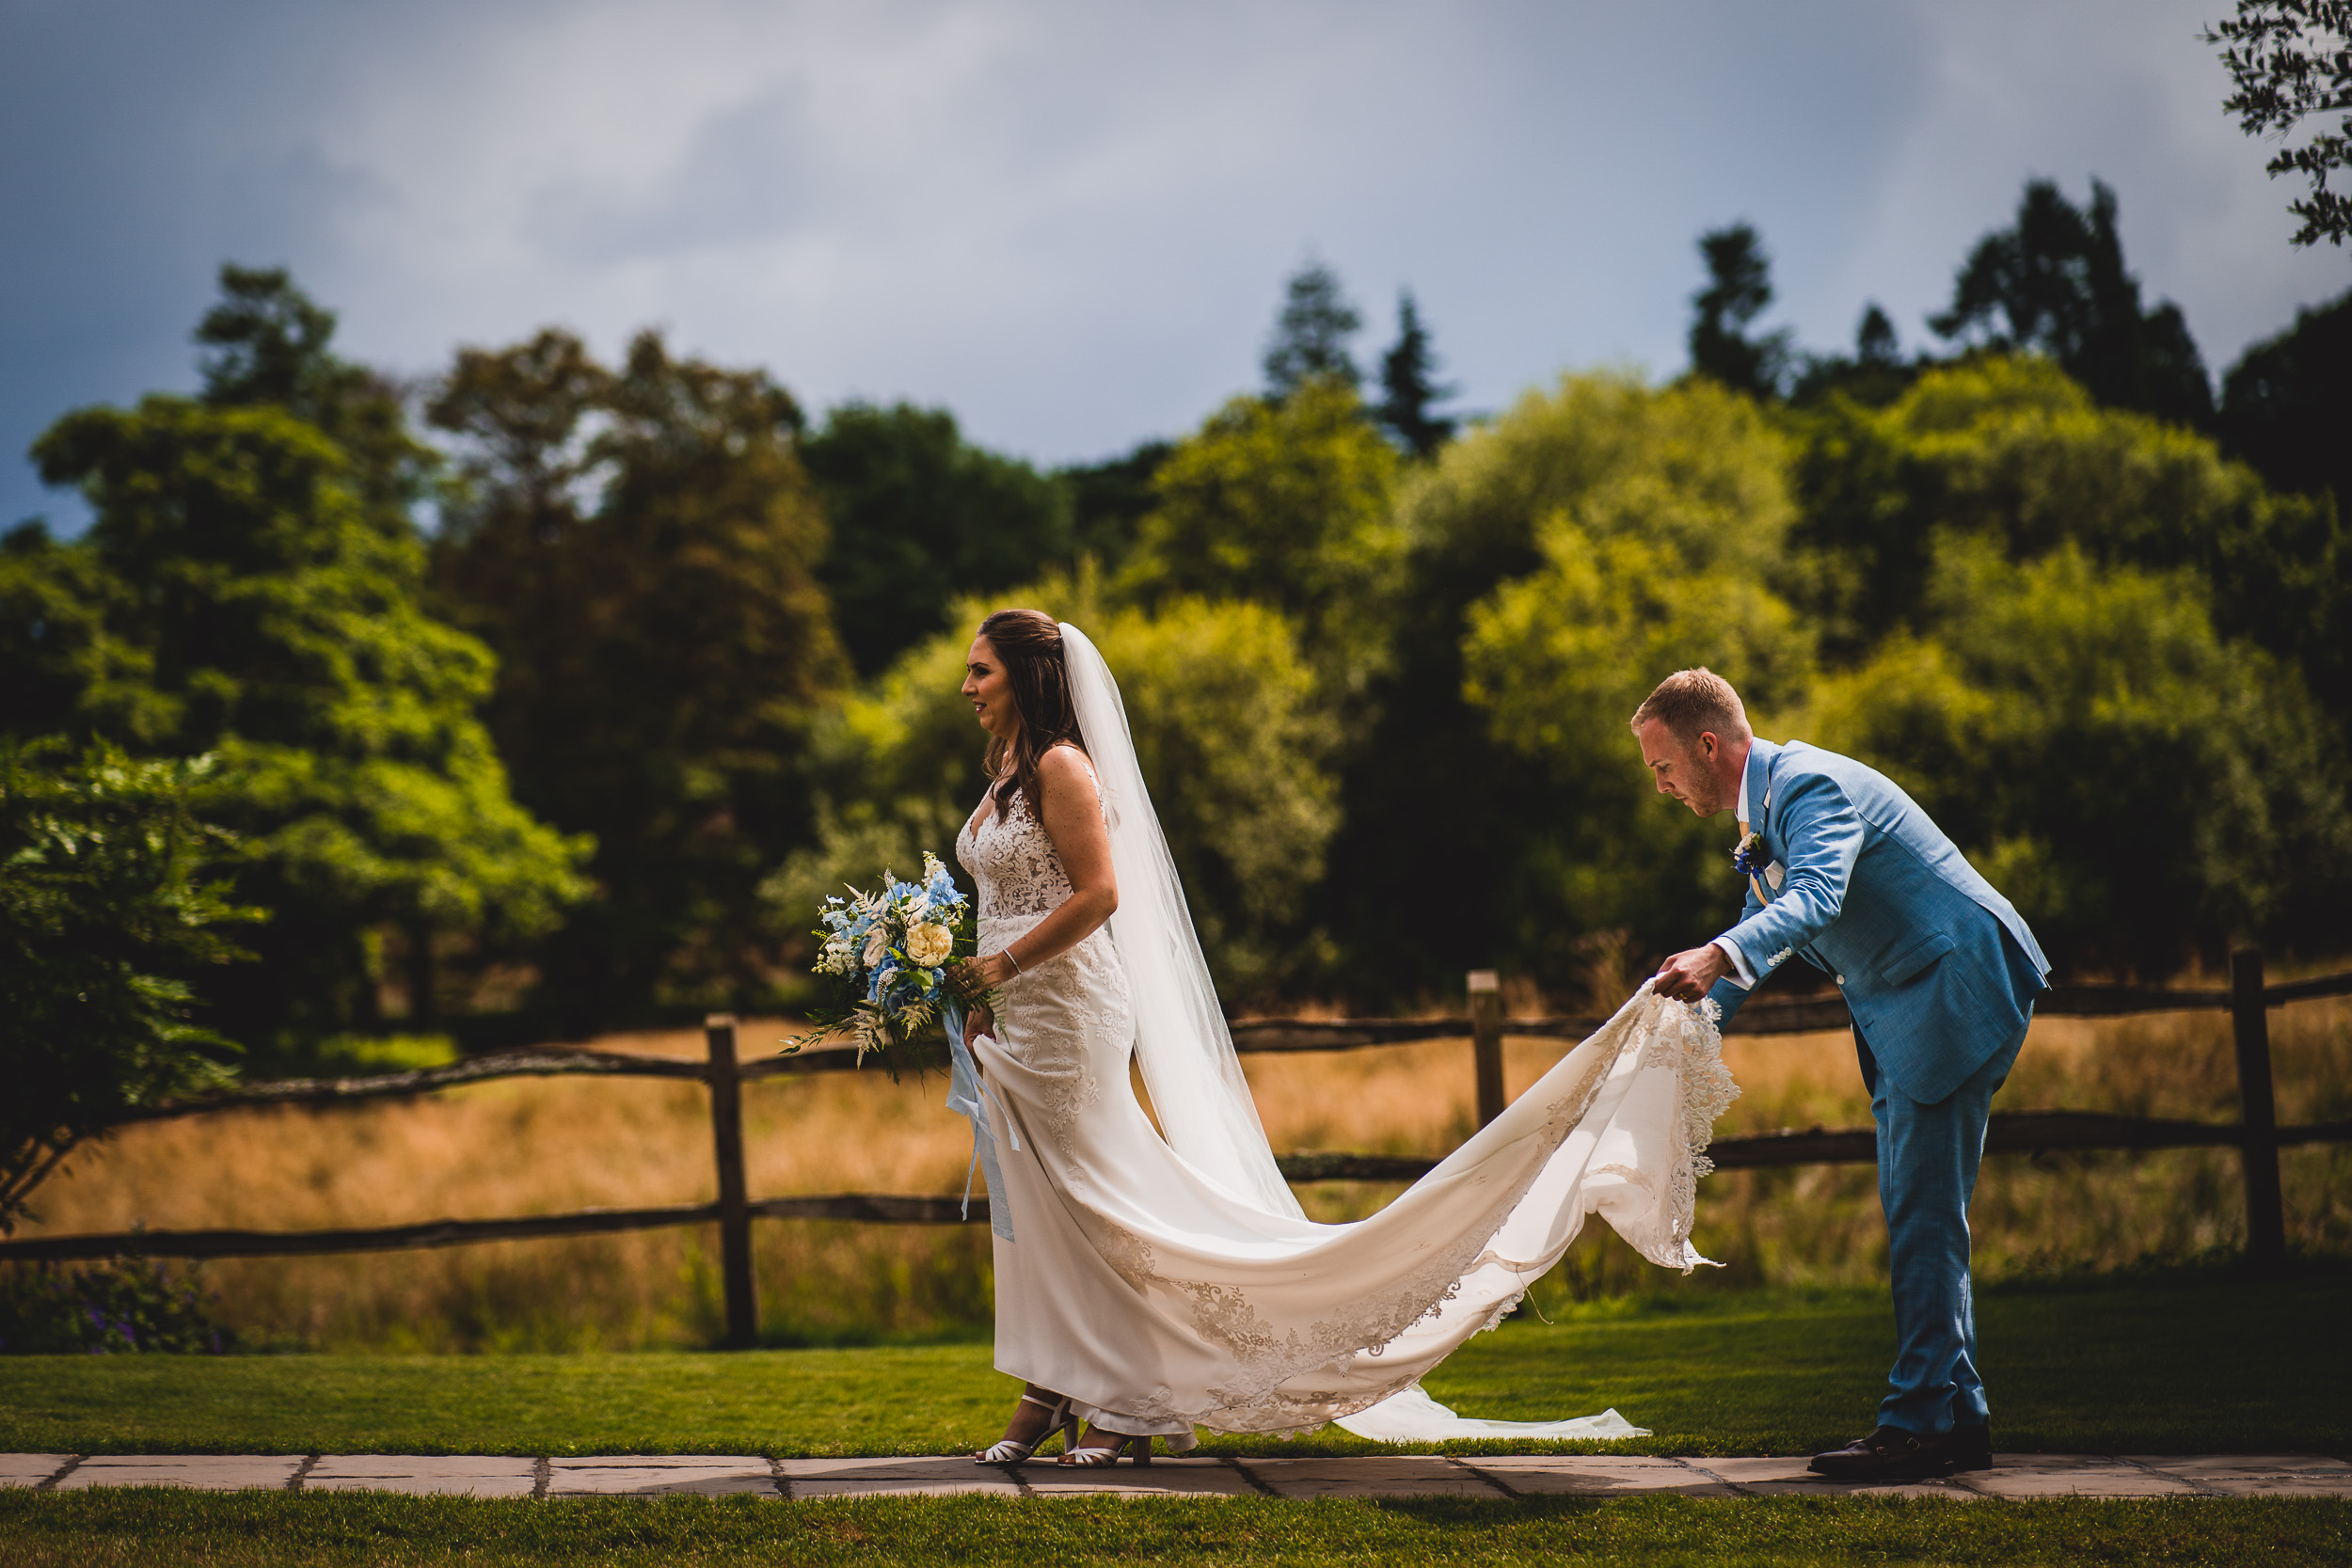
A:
{"points": [[142, 1528], [2209, 1365]]}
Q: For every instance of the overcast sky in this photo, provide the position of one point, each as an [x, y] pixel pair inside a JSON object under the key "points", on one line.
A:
{"points": [[1070, 222]]}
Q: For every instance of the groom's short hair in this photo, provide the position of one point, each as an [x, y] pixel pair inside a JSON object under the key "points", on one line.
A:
{"points": [[1691, 701]]}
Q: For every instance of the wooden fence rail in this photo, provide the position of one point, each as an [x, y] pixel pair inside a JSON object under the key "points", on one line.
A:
{"points": [[2256, 1134]]}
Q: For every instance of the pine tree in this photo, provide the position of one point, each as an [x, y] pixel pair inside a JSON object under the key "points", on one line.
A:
{"points": [[2056, 282], [1406, 375], [1311, 336], [1740, 286]]}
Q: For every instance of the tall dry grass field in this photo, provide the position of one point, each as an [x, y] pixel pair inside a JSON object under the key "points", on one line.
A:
{"points": [[525, 1146]]}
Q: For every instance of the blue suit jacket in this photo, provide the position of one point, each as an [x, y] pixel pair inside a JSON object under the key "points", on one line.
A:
{"points": [[1863, 886]]}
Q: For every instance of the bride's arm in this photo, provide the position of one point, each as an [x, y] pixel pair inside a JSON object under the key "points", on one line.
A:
{"points": [[1073, 817]]}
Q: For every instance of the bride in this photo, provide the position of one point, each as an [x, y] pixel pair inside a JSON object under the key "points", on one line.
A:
{"points": [[1153, 1280]]}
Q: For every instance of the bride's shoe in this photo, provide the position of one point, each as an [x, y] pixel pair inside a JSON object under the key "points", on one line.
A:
{"points": [[1013, 1451], [1138, 1449]]}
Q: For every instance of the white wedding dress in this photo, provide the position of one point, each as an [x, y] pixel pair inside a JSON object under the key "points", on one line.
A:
{"points": [[1168, 1282]]}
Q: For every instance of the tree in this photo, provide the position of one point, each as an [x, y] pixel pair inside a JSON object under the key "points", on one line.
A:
{"points": [[106, 913], [640, 549], [1659, 553], [1229, 730], [1874, 339], [2140, 787], [1740, 286], [2056, 282], [2286, 404], [2290, 60], [239, 597], [2010, 450], [1408, 374], [1311, 336], [919, 517], [269, 345], [1284, 504], [1875, 374], [1109, 500]]}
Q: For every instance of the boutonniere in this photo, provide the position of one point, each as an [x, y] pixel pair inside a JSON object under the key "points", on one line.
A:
{"points": [[1748, 857]]}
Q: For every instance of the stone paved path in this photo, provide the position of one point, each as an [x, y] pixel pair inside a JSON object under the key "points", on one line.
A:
{"points": [[2013, 1476]]}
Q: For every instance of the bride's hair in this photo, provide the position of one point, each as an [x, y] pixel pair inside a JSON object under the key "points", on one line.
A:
{"points": [[1028, 641]]}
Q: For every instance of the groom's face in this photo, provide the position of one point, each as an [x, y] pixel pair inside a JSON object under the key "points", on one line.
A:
{"points": [[1684, 769]]}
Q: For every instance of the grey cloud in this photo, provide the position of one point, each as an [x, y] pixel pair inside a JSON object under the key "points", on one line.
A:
{"points": [[1070, 221]]}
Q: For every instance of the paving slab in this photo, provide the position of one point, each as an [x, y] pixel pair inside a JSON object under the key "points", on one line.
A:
{"points": [[1787, 1477], [1162, 1478], [641, 1475], [423, 1475], [932, 1477], [1595, 1476], [204, 1472], [2072, 1475], [2249, 1475], [30, 1469], [1371, 1476]]}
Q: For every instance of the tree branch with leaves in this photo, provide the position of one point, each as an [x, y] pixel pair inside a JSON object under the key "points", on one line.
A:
{"points": [[2290, 61]]}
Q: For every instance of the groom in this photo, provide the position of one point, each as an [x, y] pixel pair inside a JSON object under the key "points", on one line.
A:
{"points": [[1845, 871]]}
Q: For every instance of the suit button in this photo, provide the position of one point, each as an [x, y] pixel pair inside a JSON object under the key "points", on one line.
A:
{"points": [[1841, 979]]}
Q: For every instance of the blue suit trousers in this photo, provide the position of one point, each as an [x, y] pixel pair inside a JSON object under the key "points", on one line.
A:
{"points": [[1927, 1159]]}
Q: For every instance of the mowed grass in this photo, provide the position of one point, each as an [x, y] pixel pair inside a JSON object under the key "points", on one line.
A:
{"points": [[2211, 1365], [223, 1532]]}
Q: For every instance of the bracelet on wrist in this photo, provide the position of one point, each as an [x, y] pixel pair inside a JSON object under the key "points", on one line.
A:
{"points": [[1010, 960]]}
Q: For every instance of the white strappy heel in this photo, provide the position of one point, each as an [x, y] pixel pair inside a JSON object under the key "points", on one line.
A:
{"points": [[1057, 1418], [1138, 1449]]}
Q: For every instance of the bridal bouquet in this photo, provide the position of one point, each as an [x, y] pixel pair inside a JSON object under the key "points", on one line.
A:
{"points": [[887, 954]]}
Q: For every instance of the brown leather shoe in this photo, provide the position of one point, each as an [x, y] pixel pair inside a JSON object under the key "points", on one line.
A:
{"points": [[1890, 1453]]}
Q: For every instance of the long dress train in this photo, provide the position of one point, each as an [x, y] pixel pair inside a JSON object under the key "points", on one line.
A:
{"points": [[1161, 1292]]}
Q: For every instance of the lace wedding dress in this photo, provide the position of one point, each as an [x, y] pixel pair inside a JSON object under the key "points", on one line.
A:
{"points": [[1169, 1281]]}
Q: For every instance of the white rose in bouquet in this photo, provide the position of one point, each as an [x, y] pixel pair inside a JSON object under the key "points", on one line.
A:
{"points": [[929, 945]]}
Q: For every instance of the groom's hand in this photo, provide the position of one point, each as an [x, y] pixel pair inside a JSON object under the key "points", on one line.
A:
{"points": [[1689, 976]]}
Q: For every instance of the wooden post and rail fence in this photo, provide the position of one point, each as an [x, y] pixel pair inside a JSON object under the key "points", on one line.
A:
{"points": [[2255, 1134]]}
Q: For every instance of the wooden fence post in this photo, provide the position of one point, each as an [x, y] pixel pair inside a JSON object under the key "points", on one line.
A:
{"points": [[1486, 1003], [734, 1215], [2265, 1210]]}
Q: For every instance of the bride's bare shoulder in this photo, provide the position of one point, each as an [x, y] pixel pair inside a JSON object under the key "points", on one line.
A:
{"points": [[1066, 774], [1065, 764]]}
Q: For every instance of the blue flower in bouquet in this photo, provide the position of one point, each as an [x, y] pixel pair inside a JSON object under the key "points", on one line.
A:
{"points": [[887, 955]]}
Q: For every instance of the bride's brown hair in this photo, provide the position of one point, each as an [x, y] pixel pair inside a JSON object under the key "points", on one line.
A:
{"points": [[1028, 644]]}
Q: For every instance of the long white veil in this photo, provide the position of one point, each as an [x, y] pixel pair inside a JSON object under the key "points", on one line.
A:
{"points": [[1186, 1053]]}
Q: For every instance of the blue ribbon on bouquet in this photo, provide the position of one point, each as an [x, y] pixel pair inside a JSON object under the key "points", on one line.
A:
{"points": [[966, 1097]]}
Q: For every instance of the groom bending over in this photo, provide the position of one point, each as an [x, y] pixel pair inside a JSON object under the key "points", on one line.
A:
{"points": [[1845, 871]]}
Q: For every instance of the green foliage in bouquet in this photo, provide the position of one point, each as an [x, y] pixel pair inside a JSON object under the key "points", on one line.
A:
{"points": [[887, 954]]}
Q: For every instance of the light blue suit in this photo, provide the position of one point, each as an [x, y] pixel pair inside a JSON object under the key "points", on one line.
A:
{"points": [[1940, 974]]}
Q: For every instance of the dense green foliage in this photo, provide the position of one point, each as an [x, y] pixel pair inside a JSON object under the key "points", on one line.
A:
{"points": [[921, 518], [236, 596], [675, 659], [106, 914], [121, 1306], [1227, 727], [2055, 281], [2286, 404], [638, 550]]}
